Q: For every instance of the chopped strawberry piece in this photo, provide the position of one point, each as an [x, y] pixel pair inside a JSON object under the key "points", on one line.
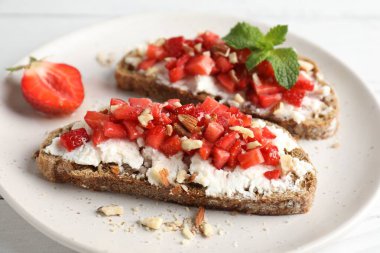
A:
{"points": [[176, 74], [205, 150], [146, 64], [265, 69], [226, 81], [272, 174], [268, 89], [155, 52], [250, 158], [200, 65], [209, 39], [98, 137], [74, 138], [140, 102], [303, 83], [209, 105], [186, 109], [224, 118], [223, 64], [269, 100], [171, 64], [268, 134], [117, 101], [294, 97], [221, 108], [243, 55], [219, 157], [133, 130], [226, 142], [234, 151], [114, 130], [183, 60], [174, 46], [155, 136], [155, 110], [270, 154], [213, 131], [242, 84], [247, 120], [96, 119], [171, 145], [127, 112]]}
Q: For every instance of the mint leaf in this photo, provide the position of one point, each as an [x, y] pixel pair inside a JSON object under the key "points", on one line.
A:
{"points": [[276, 35], [243, 35], [285, 65], [255, 58]]}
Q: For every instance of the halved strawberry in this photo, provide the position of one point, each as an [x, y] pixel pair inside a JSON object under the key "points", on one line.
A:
{"points": [[171, 145], [294, 97], [226, 81], [114, 130], [270, 154], [219, 157], [51, 88], [269, 100], [213, 131], [272, 174], [250, 158], [200, 65], [205, 150], [155, 136], [74, 138], [133, 130], [155, 52], [96, 119], [226, 142]]}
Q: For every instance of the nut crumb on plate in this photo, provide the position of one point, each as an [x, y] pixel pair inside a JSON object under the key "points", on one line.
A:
{"points": [[111, 210], [152, 222]]}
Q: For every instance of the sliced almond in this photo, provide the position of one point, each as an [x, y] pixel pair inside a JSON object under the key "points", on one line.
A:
{"points": [[189, 122], [256, 79], [177, 104], [198, 47], [164, 173], [233, 76], [152, 222], [206, 229], [178, 128], [199, 218], [238, 98], [253, 144], [221, 49], [246, 132], [286, 162], [182, 176], [190, 144], [185, 188]]}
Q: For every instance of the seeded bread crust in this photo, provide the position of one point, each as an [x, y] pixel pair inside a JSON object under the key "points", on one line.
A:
{"points": [[101, 178], [316, 128]]}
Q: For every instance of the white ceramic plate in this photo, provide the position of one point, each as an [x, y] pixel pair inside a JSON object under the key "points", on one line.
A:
{"points": [[348, 177]]}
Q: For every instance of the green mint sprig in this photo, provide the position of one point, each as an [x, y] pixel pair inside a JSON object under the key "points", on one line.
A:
{"points": [[283, 60]]}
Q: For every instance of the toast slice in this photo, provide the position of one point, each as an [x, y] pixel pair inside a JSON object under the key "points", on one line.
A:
{"points": [[194, 183], [315, 118]]}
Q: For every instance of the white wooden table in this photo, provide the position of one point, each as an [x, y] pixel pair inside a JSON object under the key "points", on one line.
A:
{"points": [[348, 29]]}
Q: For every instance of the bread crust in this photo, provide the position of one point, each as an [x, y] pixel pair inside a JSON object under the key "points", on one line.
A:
{"points": [[58, 170], [316, 128]]}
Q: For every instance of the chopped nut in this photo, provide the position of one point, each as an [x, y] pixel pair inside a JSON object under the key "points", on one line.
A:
{"points": [[181, 130], [185, 188], [186, 232], [182, 176], [189, 122], [256, 79], [169, 130], [233, 76], [286, 162], [198, 47], [104, 59], [111, 210], [192, 177], [221, 49], [164, 173], [238, 98], [190, 144], [233, 58], [199, 218], [207, 53], [258, 123], [159, 42], [145, 117], [253, 144], [246, 132], [152, 222], [151, 71], [176, 190], [177, 104], [304, 65], [206, 229], [115, 169], [114, 107]]}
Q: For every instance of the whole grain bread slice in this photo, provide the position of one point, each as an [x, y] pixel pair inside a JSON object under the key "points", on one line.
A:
{"points": [[103, 178], [146, 84]]}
